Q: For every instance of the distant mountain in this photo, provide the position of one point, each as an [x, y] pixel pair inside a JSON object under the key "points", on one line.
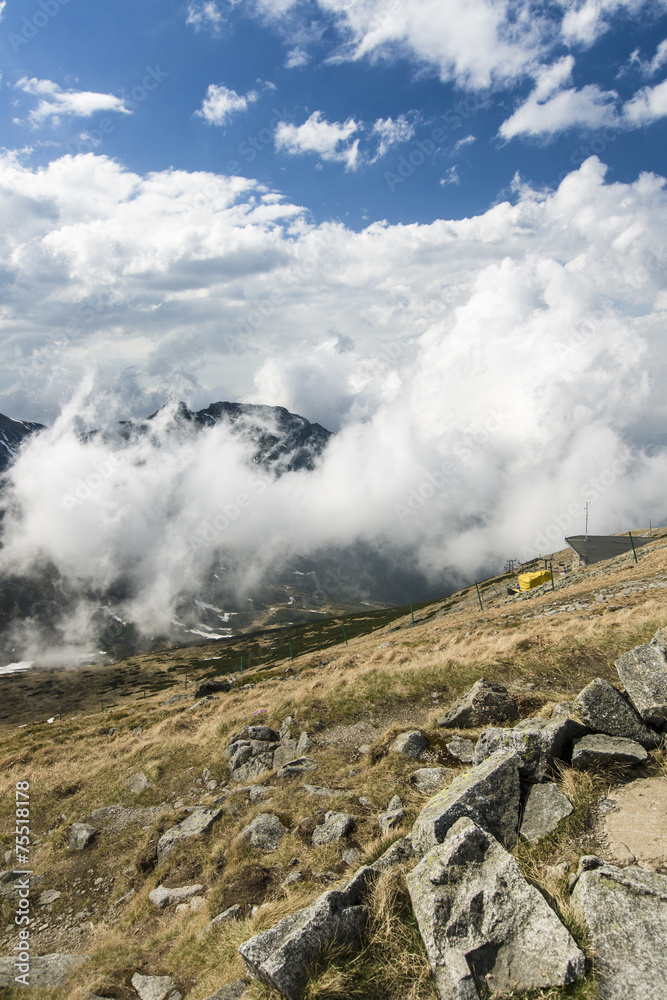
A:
{"points": [[12, 434]]}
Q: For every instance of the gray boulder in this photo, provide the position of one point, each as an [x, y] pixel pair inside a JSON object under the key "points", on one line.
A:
{"points": [[232, 991], [537, 742], [281, 957], [430, 780], [480, 920], [138, 783], [605, 710], [625, 911], [80, 836], [249, 759], [231, 913], [643, 674], [393, 815], [163, 896], [298, 766], [412, 744], [264, 833], [544, 808], [597, 749], [485, 702], [212, 687], [463, 750], [199, 821], [336, 825], [489, 794], [154, 987], [45, 971]]}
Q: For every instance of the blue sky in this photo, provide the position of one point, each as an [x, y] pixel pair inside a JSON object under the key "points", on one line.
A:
{"points": [[433, 117], [437, 227]]}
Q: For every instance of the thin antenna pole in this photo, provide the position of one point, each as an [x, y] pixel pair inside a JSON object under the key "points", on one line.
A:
{"points": [[586, 509]]}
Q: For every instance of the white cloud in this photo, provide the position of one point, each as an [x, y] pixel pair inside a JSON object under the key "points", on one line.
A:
{"points": [[451, 177], [3, 4], [55, 102], [391, 132], [331, 140], [204, 14], [647, 105], [297, 57], [586, 20], [221, 104], [589, 107], [496, 367]]}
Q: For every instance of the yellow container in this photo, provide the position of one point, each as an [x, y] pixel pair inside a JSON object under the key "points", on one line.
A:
{"points": [[527, 581]]}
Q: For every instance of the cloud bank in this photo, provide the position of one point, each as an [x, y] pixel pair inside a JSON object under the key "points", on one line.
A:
{"points": [[486, 377]]}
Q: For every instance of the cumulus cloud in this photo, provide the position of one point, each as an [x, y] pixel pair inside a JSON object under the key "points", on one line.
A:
{"points": [[586, 20], [204, 15], [331, 140], [54, 102], [391, 132], [486, 376], [222, 103], [648, 105]]}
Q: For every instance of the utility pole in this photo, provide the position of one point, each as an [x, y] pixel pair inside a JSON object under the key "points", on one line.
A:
{"points": [[586, 509]]}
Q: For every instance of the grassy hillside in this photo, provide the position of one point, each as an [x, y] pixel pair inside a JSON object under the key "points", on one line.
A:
{"points": [[353, 698]]}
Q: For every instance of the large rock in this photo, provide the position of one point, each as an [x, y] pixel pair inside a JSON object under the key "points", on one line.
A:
{"points": [[625, 911], [154, 987], [489, 794], [232, 991], [463, 750], [163, 896], [485, 702], [264, 833], [281, 957], [643, 673], [537, 742], [199, 821], [412, 744], [44, 971], [336, 825], [212, 687], [605, 710], [81, 835], [597, 749], [298, 766], [480, 920], [248, 759], [138, 783], [544, 808], [430, 780]]}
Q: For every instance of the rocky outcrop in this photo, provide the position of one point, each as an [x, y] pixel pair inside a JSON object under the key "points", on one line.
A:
{"points": [[604, 709], [80, 836], [625, 912], [538, 743], [258, 749], [489, 794], [544, 808], [460, 749], [482, 922], [199, 821], [264, 833], [485, 702], [46, 971], [599, 749], [393, 815], [162, 896], [336, 826], [213, 687], [643, 673]]}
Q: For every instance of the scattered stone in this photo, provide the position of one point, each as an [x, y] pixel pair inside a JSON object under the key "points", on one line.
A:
{"points": [[46, 971], [351, 856], [412, 744], [488, 794], [563, 709], [324, 792], [485, 702], [202, 701], [394, 815], [48, 897], [597, 749], [138, 783], [264, 833], [643, 674], [400, 851], [231, 913], [480, 920], [298, 766], [605, 710], [281, 957], [544, 808], [431, 779], [199, 821], [291, 879], [153, 987], [80, 836], [538, 743], [211, 687], [463, 750], [232, 991], [336, 825], [162, 896], [625, 911]]}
